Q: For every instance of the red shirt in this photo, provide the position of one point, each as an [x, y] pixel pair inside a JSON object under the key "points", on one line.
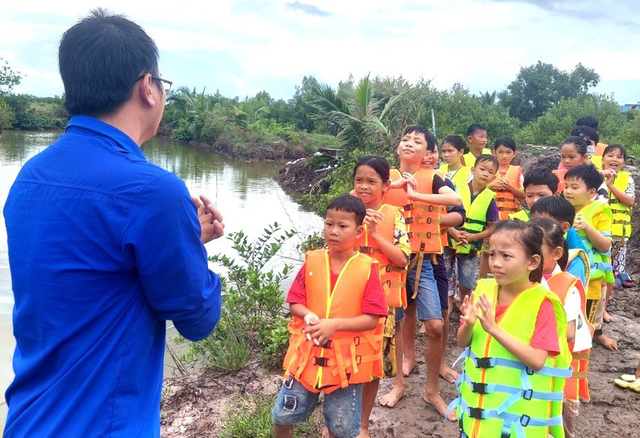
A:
{"points": [[373, 301], [545, 334]]}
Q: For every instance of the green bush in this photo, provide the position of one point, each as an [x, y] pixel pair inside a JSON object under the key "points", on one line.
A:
{"points": [[254, 316]]}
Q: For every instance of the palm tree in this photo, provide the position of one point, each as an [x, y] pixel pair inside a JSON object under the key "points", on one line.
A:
{"points": [[488, 98], [355, 114]]}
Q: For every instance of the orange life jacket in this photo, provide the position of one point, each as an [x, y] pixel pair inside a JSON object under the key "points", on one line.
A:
{"points": [[348, 357], [393, 277], [506, 201], [577, 386], [422, 219], [560, 173]]}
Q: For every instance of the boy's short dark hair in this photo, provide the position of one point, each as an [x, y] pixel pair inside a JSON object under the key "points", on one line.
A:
{"points": [[505, 141], [541, 176], [589, 121], [586, 132], [613, 147], [587, 173], [101, 58], [474, 128], [487, 157], [555, 207], [429, 137], [349, 204]]}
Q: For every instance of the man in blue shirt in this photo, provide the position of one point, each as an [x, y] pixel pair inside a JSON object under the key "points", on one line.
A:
{"points": [[104, 247]]}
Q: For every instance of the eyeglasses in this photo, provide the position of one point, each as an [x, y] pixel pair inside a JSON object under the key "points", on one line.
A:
{"points": [[166, 84]]}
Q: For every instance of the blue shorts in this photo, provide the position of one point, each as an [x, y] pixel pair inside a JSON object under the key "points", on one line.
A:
{"points": [[427, 299], [399, 314], [467, 266], [342, 407], [440, 274]]}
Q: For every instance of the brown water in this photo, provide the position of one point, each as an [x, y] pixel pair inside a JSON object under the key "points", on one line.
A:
{"points": [[244, 192]]}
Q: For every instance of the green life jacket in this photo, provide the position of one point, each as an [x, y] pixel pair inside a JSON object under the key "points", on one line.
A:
{"points": [[499, 395], [621, 213], [600, 262], [522, 215], [470, 159], [476, 217]]}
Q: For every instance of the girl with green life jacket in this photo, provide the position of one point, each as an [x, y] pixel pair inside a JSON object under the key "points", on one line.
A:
{"points": [[466, 241], [516, 357], [621, 188]]}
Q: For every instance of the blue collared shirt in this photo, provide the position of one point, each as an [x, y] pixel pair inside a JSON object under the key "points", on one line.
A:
{"points": [[104, 247]]}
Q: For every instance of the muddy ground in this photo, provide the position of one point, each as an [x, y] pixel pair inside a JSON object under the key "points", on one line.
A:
{"points": [[196, 404]]}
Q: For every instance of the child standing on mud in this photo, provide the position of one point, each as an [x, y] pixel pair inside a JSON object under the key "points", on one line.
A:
{"points": [[516, 356], [384, 239], [593, 222], [570, 291], [622, 192], [421, 192], [337, 305]]}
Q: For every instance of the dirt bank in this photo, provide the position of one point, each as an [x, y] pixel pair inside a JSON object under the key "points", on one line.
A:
{"points": [[194, 405]]}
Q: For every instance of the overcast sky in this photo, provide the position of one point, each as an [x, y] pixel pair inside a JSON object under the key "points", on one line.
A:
{"points": [[242, 47]]}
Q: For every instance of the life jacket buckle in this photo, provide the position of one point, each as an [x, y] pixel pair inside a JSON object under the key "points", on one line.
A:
{"points": [[476, 413], [358, 360], [484, 362], [328, 344], [365, 249], [408, 220], [529, 371], [408, 207], [524, 420], [528, 394], [479, 388], [356, 341], [429, 220], [320, 361]]}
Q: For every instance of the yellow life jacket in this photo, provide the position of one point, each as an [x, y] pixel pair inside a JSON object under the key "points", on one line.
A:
{"points": [[577, 386], [596, 158], [422, 219], [621, 213], [522, 215], [476, 217], [469, 159], [600, 263], [348, 357], [507, 202], [499, 395], [393, 277]]}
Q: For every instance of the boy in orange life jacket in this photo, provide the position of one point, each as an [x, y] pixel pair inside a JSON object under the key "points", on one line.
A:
{"points": [[336, 302], [420, 192]]}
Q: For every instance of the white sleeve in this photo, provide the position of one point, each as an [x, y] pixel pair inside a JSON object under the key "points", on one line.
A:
{"points": [[572, 305]]}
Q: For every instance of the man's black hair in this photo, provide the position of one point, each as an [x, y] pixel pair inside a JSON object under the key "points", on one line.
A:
{"points": [[474, 128], [541, 176], [349, 204], [555, 207], [487, 157], [589, 121], [431, 139], [587, 173], [101, 58], [586, 132]]}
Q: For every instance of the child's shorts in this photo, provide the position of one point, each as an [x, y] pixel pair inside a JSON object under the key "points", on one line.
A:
{"points": [[427, 298], [342, 407], [467, 266]]}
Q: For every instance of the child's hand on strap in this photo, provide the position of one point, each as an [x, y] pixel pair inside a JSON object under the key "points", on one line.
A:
{"points": [[320, 331], [310, 318], [373, 219], [486, 317], [468, 310], [410, 179]]}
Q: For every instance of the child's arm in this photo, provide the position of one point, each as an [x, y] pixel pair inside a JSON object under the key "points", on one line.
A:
{"points": [[516, 191], [571, 331], [445, 196], [301, 311], [396, 256], [600, 242], [476, 237], [534, 358], [467, 321], [320, 331], [620, 195]]}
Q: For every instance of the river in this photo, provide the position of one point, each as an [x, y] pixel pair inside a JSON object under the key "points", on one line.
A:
{"points": [[244, 192]]}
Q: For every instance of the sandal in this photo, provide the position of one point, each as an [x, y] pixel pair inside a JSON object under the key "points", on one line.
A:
{"points": [[625, 383], [625, 280]]}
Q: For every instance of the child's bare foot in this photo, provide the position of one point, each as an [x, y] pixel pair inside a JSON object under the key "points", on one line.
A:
{"points": [[392, 398], [448, 373], [325, 432], [606, 342], [408, 364], [438, 402], [607, 318], [364, 433]]}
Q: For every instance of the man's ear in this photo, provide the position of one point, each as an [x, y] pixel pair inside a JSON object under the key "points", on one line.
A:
{"points": [[146, 92]]}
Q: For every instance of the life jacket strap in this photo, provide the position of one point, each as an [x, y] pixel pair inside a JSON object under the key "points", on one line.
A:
{"points": [[490, 362], [367, 250]]}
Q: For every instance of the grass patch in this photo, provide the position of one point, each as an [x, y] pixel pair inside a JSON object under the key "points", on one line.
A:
{"points": [[252, 419]]}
